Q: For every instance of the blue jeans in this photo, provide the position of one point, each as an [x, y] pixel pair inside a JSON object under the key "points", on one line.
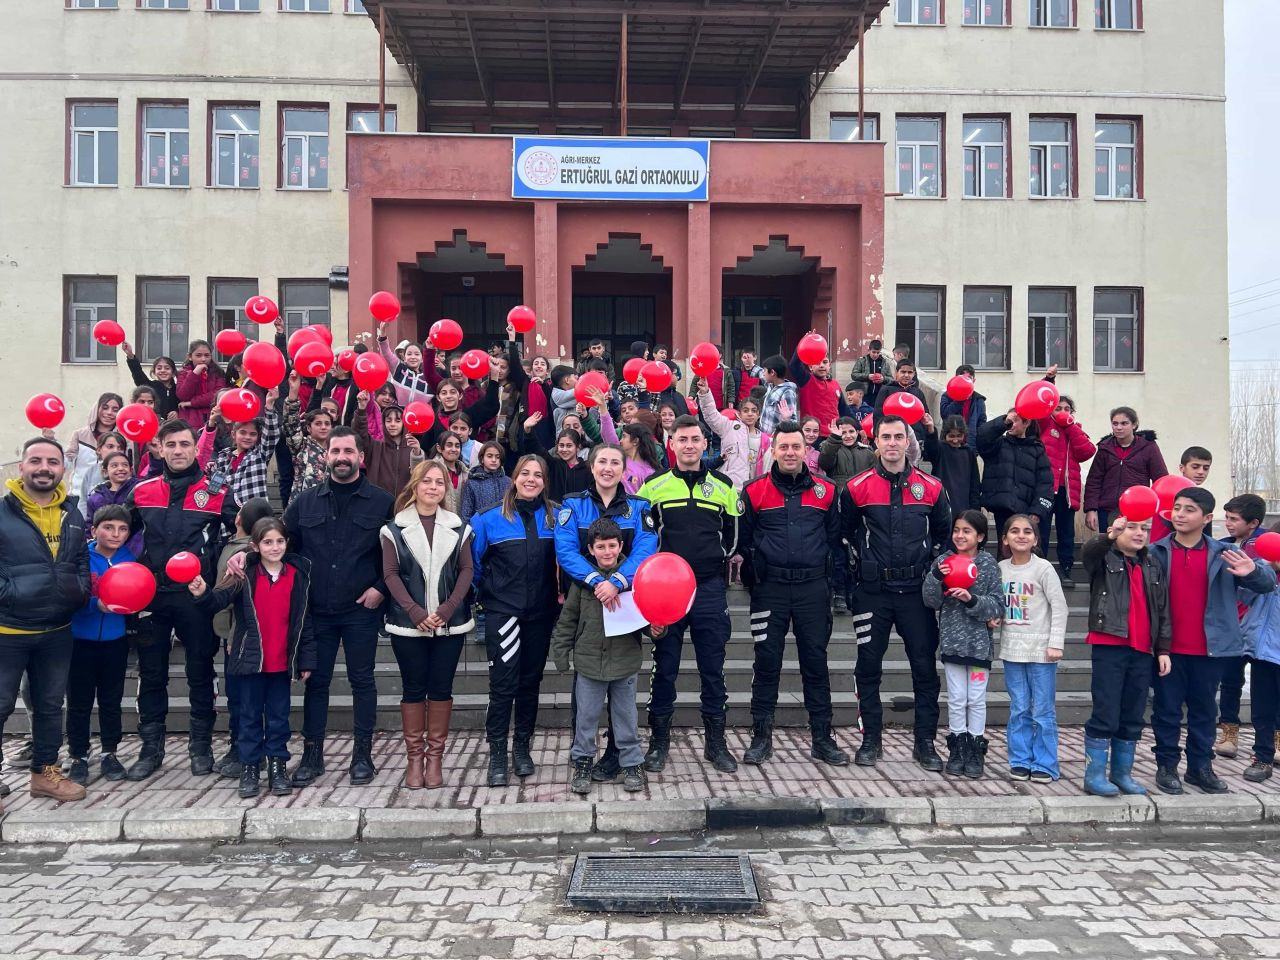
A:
{"points": [[264, 716], [1033, 718], [45, 658]]}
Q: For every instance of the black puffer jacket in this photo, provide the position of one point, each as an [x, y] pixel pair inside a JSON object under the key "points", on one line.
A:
{"points": [[40, 590], [1016, 474]]}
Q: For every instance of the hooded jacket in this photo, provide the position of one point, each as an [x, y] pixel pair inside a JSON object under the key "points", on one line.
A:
{"points": [[89, 622], [199, 390], [387, 462], [963, 634], [580, 632], [245, 655], [1110, 476], [483, 489], [1016, 475], [44, 561], [842, 463], [1067, 447]]}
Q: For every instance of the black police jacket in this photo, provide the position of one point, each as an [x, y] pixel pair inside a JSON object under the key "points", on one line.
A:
{"points": [[180, 512]]}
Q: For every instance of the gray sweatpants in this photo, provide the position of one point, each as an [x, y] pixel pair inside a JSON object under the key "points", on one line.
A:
{"points": [[590, 696]]}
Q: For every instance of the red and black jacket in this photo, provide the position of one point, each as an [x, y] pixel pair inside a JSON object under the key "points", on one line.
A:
{"points": [[896, 524], [788, 526], [176, 512]]}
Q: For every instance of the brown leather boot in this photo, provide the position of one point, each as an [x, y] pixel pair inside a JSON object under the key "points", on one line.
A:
{"points": [[438, 712], [50, 783], [413, 717]]}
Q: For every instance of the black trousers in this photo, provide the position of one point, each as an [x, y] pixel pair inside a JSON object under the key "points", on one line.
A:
{"points": [[1192, 682], [97, 673], [875, 613], [708, 624], [805, 608], [1119, 684], [427, 666], [1265, 692], [356, 631], [1231, 688], [172, 612], [45, 658], [517, 649]]}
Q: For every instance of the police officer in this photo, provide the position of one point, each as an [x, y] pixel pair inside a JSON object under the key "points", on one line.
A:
{"points": [[789, 525], [696, 513], [896, 519]]}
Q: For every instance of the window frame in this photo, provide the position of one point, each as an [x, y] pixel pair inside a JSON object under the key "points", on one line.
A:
{"points": [[283, 6], [915, 6], [1070, 330], [866, 116], [940, 293], [100, 354], [212, 6], [73, 133], [1112, 163], [978, 362], [1033, 144], [914, 146], [1106, 10], [980, 151], [144, 144], [1047, 5], [91, 4], [249, 328], [1006, 14], [282, 146], [354, 108], [143, 5], [285, 309], [346, 8], [1139, 325], [141, 319], [211, 143]]}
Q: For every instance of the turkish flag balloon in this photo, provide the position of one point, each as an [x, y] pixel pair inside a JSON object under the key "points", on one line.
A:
{"points": [[904, 405], [384, 306], [263, 364], [1138, 504], [347, 359], [522, 319], [1267, 547], [240, 405], [959, 389], [45, 411], [1063, 418], [418, 417], [445, 334], [182, 567], [305, 335], [230, 342], [313, 359], [631, 369], [475, 364], [664, 586], [261, 309], [126, 588], [1036, 400], [657, 376], [323, 333], [703, 359], [812, 348], [592, 378], [1167, 488], [369, 371], [962, 573], [869, 425], [729, 414], [137, 422], [108, 333]]}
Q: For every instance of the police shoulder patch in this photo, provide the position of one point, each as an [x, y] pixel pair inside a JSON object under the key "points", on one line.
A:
{"points": [[201, 498], [917, 490], [648, 520], [819, 490], [564, 517]]}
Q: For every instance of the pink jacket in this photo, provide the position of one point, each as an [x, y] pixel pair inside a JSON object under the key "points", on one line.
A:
{"points": [[736, 443]]}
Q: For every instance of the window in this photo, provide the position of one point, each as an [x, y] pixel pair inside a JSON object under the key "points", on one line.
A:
{"points": [[920, 12], [1115, 150], [984, 158], [365, 120], [94, 160], [226, 307], [232, 6], [304, 6], [1053, 13], [304, 149], [235, 147], [166, 152], [1115, 14], [920, 156], [1117, 329], [986, 328], [89, 299], [580, 130], [163, 318], [1051, 328], [162, 4], [919, 322], [985, 13], [845, 127], [92, 4], [1051, 157], [355, 6], [302, 303], [521, 129]]}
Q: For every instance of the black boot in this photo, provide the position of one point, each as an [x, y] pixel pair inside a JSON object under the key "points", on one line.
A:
{"points": [[869, 751], [200, 749], [521, 758], [824, 745], [608, 768], [152, 754], [925, 755], [973, 763], [278, 777], [958, 745], [659, 744], [716, 749], [1167, 779], [229, 765], [362, 769], [250, 781], [498, 763], [1206, 780], [311, 765], [761, 748]]}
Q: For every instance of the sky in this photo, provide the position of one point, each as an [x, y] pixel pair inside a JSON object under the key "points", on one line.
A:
{"points": [[1253, 194]]}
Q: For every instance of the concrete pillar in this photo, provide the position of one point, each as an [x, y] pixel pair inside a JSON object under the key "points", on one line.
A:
{"points": [[541, 286], [700, 312]]}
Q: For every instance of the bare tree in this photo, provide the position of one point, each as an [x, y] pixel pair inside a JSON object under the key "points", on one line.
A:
{"points": [[1255, 420]]}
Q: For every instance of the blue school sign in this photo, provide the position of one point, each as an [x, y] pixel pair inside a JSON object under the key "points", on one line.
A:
{"points": [[600, 168]]}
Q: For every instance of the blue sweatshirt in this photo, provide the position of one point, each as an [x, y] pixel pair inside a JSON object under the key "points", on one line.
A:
{"points": [[90, 623]]}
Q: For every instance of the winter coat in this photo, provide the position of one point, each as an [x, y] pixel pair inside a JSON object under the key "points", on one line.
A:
{"points": [[963, 634], [579, 633], [1110, 476], [103, 496], [201, 391], [957, 468], [166, 396], [245, 654], [842, 463], [429, 570], [864, 367], [44, 560], [176, 512], [514, 560], [484, 488], [737, 443], [388, 463], [1109, 592], [977, 416], [1016, 475], [1067, 447], [310, 465], [90, 622]]}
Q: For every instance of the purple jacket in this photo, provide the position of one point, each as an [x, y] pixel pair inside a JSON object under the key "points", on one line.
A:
{"points": [[1110, 476], [101, 496]]}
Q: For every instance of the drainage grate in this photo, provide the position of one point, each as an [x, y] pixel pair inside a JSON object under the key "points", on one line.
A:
{"points": [[663, 883]]}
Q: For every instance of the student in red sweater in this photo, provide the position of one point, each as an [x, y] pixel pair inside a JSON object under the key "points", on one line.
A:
{"points": [[819, 395]]}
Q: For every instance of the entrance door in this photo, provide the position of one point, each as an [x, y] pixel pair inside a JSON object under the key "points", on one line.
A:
{"points": [[752, 323], [617, 320]]}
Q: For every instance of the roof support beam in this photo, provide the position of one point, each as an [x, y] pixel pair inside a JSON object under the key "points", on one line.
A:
{"points": [[551, 70], [653, 8], [827, 63], [688, 63], [761, 57], [475, 55]]}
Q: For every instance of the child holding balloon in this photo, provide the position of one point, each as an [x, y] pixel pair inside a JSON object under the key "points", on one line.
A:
{"points": [[964, 586]]}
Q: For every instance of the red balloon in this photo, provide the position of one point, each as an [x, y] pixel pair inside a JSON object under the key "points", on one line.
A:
{"points": [[230, 342], [475, 364], [1138, 504], [45, 411], [959, 389], [1267, 547], [261, 309], [704, 359], [522, 319], [384, 306], [445, 334], [137, 422], [323, 332], [263, 364], [369, 371], [313, 359], [631, 369], [240, 405], [962, 573], [592, 378], [108, 333], [657, 376], [418, 417], [664, 586], [869, 425], [812, 348], [728, 414], [1036, 400], [347, 359], [904, 405], [1063, 418], [1167, 488], [126, 588], [182, 567], [299, 337]]}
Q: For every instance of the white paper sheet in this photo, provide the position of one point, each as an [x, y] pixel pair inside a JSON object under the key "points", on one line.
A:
{"points": [[626, 619]]}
